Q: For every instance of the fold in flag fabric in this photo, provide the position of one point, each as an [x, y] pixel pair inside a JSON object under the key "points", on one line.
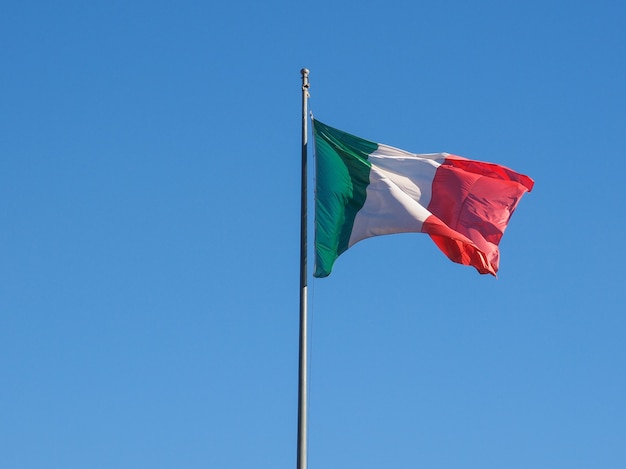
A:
{"points": [[365, 189]]}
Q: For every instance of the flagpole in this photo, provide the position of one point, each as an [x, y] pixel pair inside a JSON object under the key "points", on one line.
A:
{"points": [[302, 379]]}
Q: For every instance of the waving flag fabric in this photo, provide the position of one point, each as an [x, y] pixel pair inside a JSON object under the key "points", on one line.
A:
{"points": [[366, 189]]}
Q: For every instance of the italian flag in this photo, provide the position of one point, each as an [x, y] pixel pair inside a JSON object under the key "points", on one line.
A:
{"points": [[366, 189]]}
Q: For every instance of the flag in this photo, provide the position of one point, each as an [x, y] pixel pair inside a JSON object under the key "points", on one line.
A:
{"points": [[365, 189]]}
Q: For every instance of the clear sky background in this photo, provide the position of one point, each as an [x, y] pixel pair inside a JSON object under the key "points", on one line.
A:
{"points": [[149, 236]]}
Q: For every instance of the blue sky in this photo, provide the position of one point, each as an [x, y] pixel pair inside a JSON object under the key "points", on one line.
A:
{"points": [[149, 173]]}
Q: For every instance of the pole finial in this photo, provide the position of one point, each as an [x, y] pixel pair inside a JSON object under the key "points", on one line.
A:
{"points": [[305, 81]]}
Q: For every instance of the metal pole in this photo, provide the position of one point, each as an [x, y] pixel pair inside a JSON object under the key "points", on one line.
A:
{"points": [[302, 381]]}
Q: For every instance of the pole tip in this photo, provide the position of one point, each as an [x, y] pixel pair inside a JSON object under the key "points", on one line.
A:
{"points": [[304, 72]]}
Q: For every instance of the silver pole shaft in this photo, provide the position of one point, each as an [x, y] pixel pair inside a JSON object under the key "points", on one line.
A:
{"points": [[302, 381]]}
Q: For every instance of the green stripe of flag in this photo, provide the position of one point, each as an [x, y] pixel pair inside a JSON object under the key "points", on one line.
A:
{"points": [[342, 175]]}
